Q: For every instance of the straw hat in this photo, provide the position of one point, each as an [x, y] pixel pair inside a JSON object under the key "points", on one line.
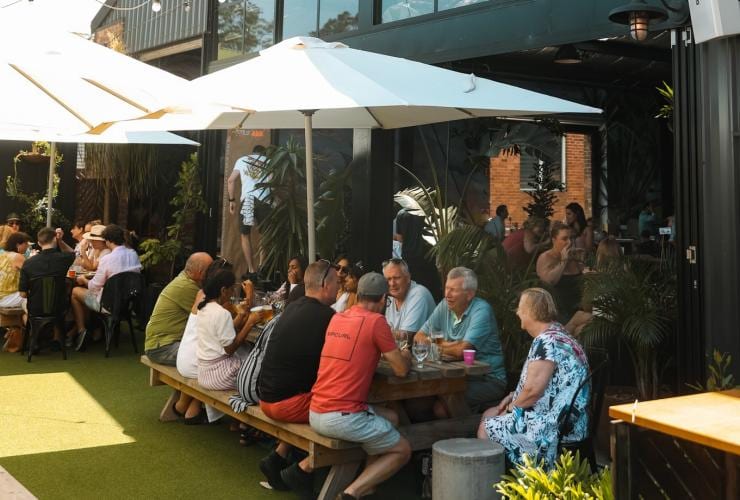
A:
{"points": [[96, 233]]}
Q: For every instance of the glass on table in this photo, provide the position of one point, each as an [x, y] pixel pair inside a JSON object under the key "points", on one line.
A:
{"points": [[401, 337], [437, 336], [420, 350]]}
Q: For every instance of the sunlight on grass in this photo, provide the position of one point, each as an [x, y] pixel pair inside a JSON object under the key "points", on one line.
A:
{"points": [[42, 413]]}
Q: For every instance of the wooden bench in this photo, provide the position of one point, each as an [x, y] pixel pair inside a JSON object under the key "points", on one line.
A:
{"points": [[343, 457]]}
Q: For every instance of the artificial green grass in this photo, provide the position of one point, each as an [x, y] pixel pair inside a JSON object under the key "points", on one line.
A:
{"points": [[164, 460]]}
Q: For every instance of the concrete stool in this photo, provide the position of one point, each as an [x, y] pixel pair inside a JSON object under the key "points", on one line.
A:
{"points": [[466, 468]]}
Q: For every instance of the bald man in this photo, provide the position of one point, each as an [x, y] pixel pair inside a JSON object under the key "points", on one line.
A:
{"points": [[167, 323]]}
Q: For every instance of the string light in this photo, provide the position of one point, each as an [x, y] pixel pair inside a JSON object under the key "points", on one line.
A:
{"points": [[156, 6]]}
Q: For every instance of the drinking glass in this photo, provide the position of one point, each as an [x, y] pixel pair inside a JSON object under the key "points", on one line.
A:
{"points": [[236, 294], [401, 337], [437, 336], [420, 352]]}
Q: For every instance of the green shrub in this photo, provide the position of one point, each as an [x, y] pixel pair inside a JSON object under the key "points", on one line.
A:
{"points": [[571, 479]]}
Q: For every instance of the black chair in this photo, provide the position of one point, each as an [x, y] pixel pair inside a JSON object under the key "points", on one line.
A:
{"points": [[599, 362], [118, 300], [47, 303]]}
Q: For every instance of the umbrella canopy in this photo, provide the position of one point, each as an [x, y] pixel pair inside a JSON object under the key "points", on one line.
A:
{"points": [[352, 88], [60, 83], [115, 134], [307, 82], [56, 87]]}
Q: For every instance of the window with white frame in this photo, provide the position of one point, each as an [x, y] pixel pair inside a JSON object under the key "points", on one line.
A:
{"points": [[551, 153]]}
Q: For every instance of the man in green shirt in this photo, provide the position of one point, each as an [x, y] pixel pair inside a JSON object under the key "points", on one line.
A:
{"points": [[167, 323]]}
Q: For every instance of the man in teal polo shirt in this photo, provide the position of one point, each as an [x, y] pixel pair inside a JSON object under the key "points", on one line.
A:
{"points": [[468, 322]]}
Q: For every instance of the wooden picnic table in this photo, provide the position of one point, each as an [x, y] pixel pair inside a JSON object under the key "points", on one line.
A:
{"points": [[710, 419], [442, 379]]}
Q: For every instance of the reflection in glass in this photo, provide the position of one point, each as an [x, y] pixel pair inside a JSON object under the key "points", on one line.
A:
{"points": [[394, 10], [245, 26], [451, 4], [230, 26], [299, 18], [337, 16]]}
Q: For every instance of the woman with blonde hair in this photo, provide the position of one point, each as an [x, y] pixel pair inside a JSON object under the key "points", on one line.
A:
{"points": [[11, 261], [527, 420]]}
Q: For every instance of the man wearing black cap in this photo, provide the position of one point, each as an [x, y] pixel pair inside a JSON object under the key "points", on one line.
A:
{"points": [[354, 341]]}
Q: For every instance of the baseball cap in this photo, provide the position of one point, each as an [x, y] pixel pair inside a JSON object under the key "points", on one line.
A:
{"points": [[13, 216], [372, 284]]}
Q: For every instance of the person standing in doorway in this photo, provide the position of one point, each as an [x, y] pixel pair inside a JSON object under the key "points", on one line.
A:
{"points": [[247, 168]]}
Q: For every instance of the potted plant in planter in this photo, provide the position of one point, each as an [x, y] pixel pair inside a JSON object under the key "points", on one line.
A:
{"points": [[636, 305], [635, 313], [161, 256]]}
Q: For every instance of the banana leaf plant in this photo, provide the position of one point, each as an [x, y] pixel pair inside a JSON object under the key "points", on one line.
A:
{"points": [[283, 188], [283, 182]]}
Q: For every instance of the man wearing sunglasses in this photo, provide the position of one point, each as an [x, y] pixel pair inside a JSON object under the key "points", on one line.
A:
{"points": [[289, 369]]}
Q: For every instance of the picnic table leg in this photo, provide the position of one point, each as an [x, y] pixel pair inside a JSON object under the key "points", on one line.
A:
{"points": [[167, 414], [397, 406], [456, 404], [339, 477], [621, 451], [730, 476]]}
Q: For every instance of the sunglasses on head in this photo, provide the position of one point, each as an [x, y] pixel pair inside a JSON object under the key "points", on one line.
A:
{"points": [[329, 265], [396, 261], [220, 262]]}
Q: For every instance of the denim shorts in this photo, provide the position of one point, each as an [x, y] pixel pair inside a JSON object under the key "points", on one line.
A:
{"points": [[376, 434], [164, 355], [91, 301]]}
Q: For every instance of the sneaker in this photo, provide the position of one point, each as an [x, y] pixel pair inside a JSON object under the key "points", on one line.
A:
{"points": [[298, 481], [271, 466], [81, 340]]}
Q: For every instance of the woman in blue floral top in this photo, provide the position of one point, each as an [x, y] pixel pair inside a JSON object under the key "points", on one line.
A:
{"points": [[526, 421]]}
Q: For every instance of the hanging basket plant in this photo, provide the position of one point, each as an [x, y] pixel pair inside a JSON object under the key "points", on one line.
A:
{"points": [[38, 154]]}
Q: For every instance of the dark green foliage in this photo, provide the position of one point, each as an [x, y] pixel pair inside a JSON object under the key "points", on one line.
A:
{"points": [[542, 195], [34, 211], [636, 301], [188, 201], [284, 231]]}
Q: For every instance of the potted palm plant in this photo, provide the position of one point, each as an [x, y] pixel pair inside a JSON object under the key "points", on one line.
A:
{"points": [[635, 306]]}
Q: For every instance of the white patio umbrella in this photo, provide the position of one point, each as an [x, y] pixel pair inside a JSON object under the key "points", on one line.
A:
{"points": [[55, 85], [311, 83]]}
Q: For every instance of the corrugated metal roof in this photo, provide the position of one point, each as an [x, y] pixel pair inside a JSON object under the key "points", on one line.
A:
{"points": [[145, 29]]}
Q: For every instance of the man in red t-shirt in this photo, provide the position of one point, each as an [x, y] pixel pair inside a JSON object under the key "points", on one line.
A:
{"points": [[354, 341]]}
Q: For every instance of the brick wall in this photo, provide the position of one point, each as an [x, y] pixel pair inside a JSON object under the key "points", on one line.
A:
{"points": [[504, 179]]}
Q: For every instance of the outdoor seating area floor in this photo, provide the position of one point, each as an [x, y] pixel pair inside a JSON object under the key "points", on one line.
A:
{"points": [[88, 427]]}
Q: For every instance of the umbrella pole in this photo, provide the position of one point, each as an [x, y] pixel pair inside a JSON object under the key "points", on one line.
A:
{"points": [[308, 129], [50, 188]]}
